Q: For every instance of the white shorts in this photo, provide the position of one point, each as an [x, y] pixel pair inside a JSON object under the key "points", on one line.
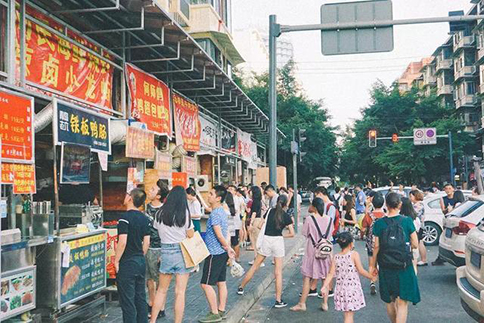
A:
{"points": [[272, 247]]}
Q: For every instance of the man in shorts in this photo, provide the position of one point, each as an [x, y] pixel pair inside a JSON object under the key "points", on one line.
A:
{"points": [[215, 265]]}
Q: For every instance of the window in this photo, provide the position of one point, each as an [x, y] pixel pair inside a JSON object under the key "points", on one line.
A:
{"points": [[470, 88], [211, 49], [3, 38], [466, 208], [434, 204]]}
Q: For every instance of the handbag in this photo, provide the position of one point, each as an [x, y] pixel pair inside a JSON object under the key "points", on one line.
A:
{"points": [[194, 250], [262, 232], [324, 247]]}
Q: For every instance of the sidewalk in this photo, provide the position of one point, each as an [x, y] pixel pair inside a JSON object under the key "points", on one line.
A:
{"points": [[196, 305]]}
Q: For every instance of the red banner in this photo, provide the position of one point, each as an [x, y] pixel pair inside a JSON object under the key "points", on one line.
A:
{"points": [[16, 132], [149, 100], [140, 143], [187, 123], [58, 64], [179, 179]]}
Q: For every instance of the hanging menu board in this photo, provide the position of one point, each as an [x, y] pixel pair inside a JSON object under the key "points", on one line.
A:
{"points": [[86, 273], [18, 292]]}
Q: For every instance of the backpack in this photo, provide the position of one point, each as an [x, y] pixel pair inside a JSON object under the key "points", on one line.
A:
{"points": [[395, 252], [324, 247], [337, 217]]}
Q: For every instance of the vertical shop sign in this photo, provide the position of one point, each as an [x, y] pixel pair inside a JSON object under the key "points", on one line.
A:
{"points": [[243, 143], [55, 63], [179, 179], [140, 143], [16, 127], [80, 126], [209, 135], [149, 100], [163, 164], [189, 166], [228, 139], [187, 123], [253, 155]]}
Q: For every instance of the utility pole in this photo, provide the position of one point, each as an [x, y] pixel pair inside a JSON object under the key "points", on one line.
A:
{"points": [[274, 32], [295, 150], [451, 157]]}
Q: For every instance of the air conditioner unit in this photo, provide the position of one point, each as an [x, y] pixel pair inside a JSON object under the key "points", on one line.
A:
{"points": [[202, 184]]}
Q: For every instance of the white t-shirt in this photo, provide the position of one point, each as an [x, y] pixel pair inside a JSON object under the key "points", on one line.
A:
{"points": [[238, 203], [195, 208], [173, 234]]}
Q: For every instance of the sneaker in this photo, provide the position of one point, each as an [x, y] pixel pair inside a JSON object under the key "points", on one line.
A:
{"points": [[251, 262], [331, 293], [422, 264], [210, 317], [240, 291], [280, 304], [372, 289], [312, 293], [320, 296], [262, 264], [223, 314]]}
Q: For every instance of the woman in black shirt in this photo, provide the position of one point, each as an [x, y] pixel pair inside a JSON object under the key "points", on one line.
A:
{"points": [[255, 222]]}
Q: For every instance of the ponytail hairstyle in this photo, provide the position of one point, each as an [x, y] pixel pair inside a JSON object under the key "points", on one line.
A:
{"points": [[279, 211], [191, 191], [229, 199]]}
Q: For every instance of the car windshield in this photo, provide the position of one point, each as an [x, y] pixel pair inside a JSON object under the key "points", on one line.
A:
{"points": [[466, 208]]}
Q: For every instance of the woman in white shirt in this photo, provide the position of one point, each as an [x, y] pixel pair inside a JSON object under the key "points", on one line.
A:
{"points": [[174, 225], [195, 208]]}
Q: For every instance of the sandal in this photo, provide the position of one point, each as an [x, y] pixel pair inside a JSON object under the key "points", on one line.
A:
{"points": [[324, 307], [298, 308]]}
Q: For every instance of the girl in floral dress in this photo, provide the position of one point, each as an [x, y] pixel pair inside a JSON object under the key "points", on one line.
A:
{"points": [[346, 267]]}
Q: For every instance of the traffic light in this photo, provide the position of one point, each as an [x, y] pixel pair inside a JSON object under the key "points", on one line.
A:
{"points": [[395, 138], [372, 138], [300, 139]]}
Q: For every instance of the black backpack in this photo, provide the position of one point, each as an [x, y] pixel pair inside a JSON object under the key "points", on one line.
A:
{"points": [[395, 252]]}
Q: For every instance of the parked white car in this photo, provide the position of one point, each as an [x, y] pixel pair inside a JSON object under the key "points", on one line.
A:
{"points": [[457, 225], [434, 218], [470, 278], [385, 189]]}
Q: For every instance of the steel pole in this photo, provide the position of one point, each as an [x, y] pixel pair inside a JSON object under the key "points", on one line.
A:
{"points": [[452, 177], [294, 174], [273, 34]]}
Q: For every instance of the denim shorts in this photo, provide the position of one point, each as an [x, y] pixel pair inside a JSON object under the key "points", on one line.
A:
{"points": [[172, 262]]}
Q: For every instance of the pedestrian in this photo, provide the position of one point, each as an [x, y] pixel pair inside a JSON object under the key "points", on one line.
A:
{"points": [[348, 220], [459, 198], [238, 223], [272, 195], [153, 256], [255, 221], [174, 225], [408, 210], [447, 204], [272, 245], [133, 244], [360, 200], [195, 208], [401, 191], [244, 236], [367, 228], [416, 196], [346, 268], [313, 269], [215, 265], [338, 198], [395, 236], [234, 221]]}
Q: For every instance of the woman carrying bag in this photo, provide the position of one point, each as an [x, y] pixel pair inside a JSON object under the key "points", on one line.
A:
{"points": [[270, 243], [174, 225]]}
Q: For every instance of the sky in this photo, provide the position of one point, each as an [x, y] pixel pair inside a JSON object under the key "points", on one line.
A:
{"points": [[343, 82]]}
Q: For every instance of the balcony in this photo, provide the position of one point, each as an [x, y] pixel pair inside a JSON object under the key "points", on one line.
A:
{"points": [[480, 56], [465, 72], [445, 90], [430, 80], [444, 64], [465, 42], [481, 89], [180, 9], [205, 22], [467, 101]]}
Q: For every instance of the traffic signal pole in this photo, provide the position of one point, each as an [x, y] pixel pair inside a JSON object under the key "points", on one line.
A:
{"points": [[294, 178]]}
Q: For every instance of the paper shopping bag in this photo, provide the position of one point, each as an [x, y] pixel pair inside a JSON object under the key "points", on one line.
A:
{"points": [[194, 250]]}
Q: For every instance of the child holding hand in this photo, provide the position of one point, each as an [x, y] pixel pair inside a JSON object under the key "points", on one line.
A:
{"points": [[346, 268]]}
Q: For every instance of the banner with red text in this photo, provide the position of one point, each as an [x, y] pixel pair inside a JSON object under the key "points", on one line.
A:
{"points": [[187, 123], [149, 100], [244, 143], [56, 63]]}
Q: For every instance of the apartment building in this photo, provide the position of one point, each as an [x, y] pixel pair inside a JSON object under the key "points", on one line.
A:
{"points": [[444, 73], [412, 75]]}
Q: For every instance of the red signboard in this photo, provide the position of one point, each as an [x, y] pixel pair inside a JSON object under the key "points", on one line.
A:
{"points": [[140, 143], [55, 63], [16, 132], [187, 123], [179, 179], [22, 177], [149, 100]]}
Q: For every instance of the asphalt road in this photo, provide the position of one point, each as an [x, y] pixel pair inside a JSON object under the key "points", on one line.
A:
{"points": [[440, 299]]}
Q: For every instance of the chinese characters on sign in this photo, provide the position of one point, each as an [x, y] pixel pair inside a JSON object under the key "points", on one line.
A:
{"points": [[209, 135], [163, 164], [58, 64], [140, 143], [189, 166], [16, 114], [22, 176], [228, 139], [79, 126], [243, 143], [187, 123], [149, 100], [179, 179], [87, 268]]}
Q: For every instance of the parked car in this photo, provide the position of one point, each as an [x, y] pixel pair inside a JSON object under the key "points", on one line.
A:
{"points": [[457, 225], [305, 196], [385, 189], [434, 218], [470, 278]]}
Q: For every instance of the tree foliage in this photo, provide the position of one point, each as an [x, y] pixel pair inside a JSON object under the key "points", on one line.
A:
{"points": [[296, 111], [393, 112]]}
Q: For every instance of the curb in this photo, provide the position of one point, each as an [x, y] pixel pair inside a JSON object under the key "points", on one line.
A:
{"points": [[243, 306]]}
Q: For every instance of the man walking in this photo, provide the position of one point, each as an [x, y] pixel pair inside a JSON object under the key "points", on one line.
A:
{"points": [[360, 200], [215, 266], [133, 244]]}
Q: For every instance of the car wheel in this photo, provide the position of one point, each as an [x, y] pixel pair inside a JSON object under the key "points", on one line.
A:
{"points": [[431, 234]]}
